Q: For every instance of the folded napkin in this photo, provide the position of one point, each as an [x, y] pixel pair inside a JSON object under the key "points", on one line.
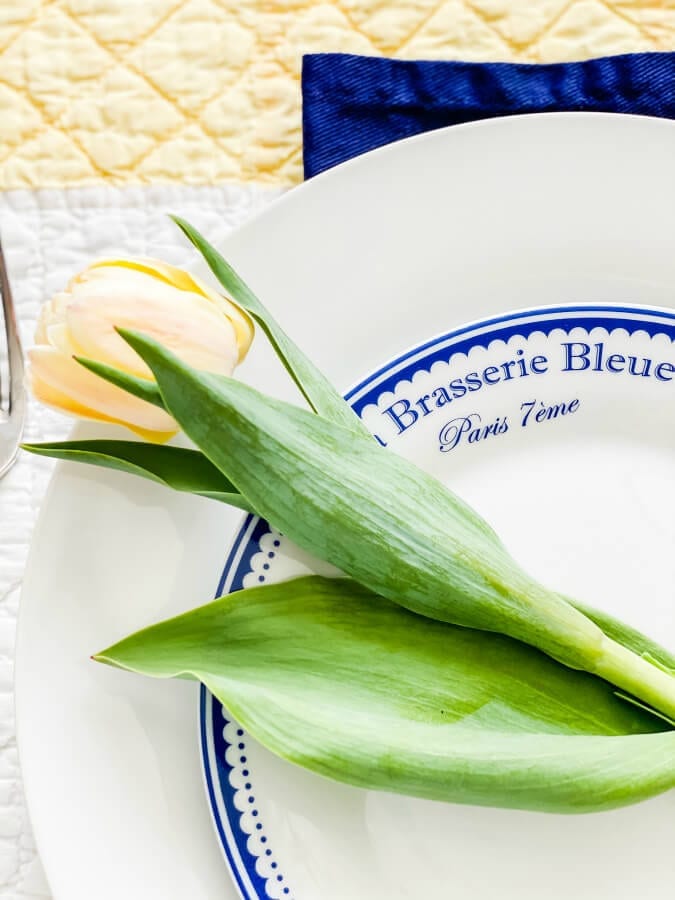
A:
{"points": [[352, 104]]}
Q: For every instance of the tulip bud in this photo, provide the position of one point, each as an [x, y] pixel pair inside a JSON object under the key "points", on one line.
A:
{"points": [[202, 327]]}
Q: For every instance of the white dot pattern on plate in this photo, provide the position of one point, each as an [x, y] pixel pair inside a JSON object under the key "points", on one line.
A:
{"points": [[241, 780]]}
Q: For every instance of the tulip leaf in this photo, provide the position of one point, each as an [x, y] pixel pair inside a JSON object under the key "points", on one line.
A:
{"points": [[385, 522], [336, 679], [323, 398], [629, 637], [175, 467], [139, 387]]}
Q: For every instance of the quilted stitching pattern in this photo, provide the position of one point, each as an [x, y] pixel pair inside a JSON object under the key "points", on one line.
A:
{"points": [[206, 91]]}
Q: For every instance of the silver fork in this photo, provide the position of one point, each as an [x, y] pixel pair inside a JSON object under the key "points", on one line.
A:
{"points": [[13, 393]]}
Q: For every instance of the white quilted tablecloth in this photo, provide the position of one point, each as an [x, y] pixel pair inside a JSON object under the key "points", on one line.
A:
{"points": [[48, 236]]}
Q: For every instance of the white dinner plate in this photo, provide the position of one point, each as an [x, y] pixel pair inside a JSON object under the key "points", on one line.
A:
{"points": [[382, 254]]}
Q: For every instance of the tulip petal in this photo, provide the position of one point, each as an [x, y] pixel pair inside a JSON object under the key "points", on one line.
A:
{"points": [[240, 319], [202, 327], [57, 336], [155, 267], [189, 323], [52, 313], [60, 382], [54, 400]]}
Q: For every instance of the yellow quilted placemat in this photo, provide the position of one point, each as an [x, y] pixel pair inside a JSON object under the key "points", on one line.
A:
{"points": [[206, 91]]}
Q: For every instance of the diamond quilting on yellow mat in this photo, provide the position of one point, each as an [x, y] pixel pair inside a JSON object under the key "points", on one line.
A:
{"points": [[521, 22], [456, 31], [185, 159], [51, 62], [184, 61], [586, 23], [19, 120], [388, 26], [117, 136], [657, 19], [14, 17], [49, 158], [120, 23], [319, 25], [204, 91]]}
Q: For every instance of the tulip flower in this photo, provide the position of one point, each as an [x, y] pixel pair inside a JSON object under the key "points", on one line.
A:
{"points": [[201, 326]]}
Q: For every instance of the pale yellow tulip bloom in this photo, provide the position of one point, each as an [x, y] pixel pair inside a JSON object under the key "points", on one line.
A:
{"points": [[202, 327]]}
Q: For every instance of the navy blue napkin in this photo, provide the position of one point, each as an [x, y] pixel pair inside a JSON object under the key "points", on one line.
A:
{"points": [[352, 104]]}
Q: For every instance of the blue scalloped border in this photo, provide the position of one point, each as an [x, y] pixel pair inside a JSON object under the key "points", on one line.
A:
{"points": [[231, 580], [421, 357], [521, 324]]}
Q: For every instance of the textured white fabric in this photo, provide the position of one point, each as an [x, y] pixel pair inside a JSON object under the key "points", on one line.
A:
{"points": [[47, 237]]}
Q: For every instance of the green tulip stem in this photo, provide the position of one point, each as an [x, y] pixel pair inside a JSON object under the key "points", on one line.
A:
{"points": [[637, 676]]}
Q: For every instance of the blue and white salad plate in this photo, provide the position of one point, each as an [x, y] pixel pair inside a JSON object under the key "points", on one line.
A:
{"points": [[559, 398], [547, 420]]}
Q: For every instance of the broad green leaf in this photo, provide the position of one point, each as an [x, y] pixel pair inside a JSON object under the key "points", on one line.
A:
{"points": [[139, 387], [338, 680], [385, 522], [315, 387], [175, 467]]}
